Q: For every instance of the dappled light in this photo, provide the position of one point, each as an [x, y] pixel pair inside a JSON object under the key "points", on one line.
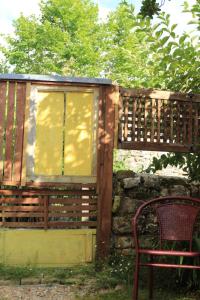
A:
{"points": [[49, 136], [64, 134]]}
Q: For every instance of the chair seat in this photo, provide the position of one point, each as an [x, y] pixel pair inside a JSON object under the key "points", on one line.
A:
{"points": [[169, 252]]}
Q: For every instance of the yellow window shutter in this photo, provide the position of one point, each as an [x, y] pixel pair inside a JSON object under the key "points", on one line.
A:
{"points": [[49, 133]]}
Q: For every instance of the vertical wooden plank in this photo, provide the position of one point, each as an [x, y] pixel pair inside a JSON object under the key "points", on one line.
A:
{"points": [[105, 192], [164, 116], [152, 119], [196, 121], [126, 119], [19, 133], [120, 116], [138, 118], [145, 119], [133, 119], [100, 165], [158, 120], [9, 133], [101, 133], [117, 112], [178, 129], [171, 122], [185, 123], [190, 119], [3, 89], [26, 127], [46, 211]]}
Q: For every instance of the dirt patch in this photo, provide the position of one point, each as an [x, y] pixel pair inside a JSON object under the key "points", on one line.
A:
{"points": [[37, 292]]}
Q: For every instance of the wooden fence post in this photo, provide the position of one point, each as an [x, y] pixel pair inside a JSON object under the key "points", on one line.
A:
{"points": [[109, 97]]}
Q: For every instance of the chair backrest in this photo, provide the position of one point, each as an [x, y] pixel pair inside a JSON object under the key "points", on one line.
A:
{"points": [[176, 218]]}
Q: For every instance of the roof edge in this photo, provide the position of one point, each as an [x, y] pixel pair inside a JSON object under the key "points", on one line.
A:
{"points": [[55, 78]]}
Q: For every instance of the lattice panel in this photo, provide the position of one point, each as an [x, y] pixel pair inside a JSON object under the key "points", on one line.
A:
{"points": [[156, 120]]}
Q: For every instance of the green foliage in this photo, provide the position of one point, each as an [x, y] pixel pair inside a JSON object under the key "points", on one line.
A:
{"points": [[62, 40], [67, 38], [149, 8], [119, 163], [189, 162], [139, 53]]}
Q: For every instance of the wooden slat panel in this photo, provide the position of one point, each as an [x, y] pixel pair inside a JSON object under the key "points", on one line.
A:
{"points": [[3, 89], [61, 215], [47, 192], [21, 215], [24, 224], [22, 200], [71, 201], [72, 224], [72, 207], [19, 133], [9, 132], [22, 208]]}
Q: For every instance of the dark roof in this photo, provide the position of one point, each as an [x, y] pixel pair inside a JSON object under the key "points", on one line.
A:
{"points": [[55, 78]]}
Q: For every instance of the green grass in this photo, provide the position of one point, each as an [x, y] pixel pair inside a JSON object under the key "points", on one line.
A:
{"points": [[103, 285]]}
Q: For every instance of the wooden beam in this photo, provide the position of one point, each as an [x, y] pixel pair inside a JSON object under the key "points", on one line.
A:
{"points": [[25, 137], [148, 146], [106, 172], [158, 94], [3, 90]]}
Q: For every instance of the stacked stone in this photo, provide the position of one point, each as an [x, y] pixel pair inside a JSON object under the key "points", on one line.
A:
{"points": [[130, 191]]}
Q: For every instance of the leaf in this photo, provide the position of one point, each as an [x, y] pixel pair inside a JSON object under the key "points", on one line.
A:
{"points": [[173, 27], [164, 40]]}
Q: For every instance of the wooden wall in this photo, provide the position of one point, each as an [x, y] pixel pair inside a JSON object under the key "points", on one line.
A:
{"points": [[12, 113]]}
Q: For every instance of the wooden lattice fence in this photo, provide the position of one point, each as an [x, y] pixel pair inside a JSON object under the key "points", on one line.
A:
{"points": [[159, 120]]}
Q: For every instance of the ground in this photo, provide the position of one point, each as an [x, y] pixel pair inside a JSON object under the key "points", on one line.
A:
{"points": [[80, 283]]}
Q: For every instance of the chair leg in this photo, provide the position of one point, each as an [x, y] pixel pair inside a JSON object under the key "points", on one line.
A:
{"points": [[136, 278], [150, 283]]}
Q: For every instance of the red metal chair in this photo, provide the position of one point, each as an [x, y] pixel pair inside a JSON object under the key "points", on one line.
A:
{"points": [[176, 217]]}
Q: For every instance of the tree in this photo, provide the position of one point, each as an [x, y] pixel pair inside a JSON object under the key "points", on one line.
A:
{"points": [[141, 54], [62, 40]]}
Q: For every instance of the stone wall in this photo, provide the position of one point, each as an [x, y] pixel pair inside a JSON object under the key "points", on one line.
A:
{"points": [[130, 190], [139, 160]]}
